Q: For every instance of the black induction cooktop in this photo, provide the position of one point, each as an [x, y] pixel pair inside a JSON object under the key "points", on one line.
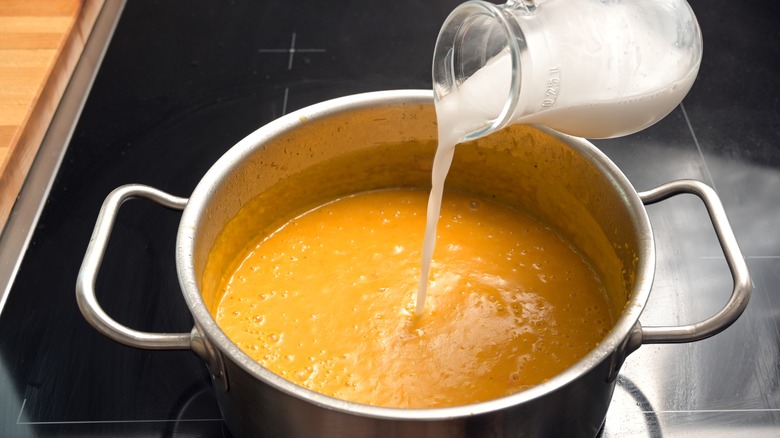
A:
{"points": [[182, 81]]}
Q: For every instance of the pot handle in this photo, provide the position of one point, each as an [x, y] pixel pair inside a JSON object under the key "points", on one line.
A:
{"points": [[85, 284], [736, 262]]}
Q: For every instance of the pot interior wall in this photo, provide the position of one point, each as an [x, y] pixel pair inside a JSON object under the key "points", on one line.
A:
{"points": [[561, 181]]}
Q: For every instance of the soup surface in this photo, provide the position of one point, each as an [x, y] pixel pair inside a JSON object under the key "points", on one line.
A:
{"points": [[327, 301]]}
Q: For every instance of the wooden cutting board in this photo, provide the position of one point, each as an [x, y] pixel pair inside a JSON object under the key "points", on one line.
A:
{"points": [[40, 44]]}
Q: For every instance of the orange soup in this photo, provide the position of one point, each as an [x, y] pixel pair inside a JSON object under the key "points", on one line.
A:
{"points": [[327, 301]]}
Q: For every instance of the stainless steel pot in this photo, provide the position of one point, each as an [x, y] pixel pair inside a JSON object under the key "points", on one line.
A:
{"points": [[385, 139]]}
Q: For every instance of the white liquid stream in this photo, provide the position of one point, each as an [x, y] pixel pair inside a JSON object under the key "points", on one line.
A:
{"points": [[458, 114], [637, 89]]}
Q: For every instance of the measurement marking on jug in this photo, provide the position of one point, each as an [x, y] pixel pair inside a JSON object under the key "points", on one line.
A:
{"points": [[291, 51], [553, 84]]}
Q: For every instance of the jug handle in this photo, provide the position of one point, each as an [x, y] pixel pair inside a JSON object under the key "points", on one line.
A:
{"points": [[742, 286], [85, 283]]}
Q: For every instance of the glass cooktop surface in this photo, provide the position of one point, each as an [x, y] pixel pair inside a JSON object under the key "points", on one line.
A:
{"points": [[183, 81]]}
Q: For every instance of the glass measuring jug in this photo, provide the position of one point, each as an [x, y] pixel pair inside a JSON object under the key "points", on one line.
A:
{"points": [[590, 68]]}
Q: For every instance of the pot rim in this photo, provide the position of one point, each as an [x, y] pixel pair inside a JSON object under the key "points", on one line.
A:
{"points": [[615, 341]]}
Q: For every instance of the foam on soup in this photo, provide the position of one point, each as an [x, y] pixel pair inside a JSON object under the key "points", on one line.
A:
{"points": [[326, 299]]}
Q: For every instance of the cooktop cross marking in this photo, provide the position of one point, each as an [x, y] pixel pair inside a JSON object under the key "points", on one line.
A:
{"points": [[291, 51]]}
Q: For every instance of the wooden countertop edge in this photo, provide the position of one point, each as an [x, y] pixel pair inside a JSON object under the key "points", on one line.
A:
{"points": [[27, 141]]}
